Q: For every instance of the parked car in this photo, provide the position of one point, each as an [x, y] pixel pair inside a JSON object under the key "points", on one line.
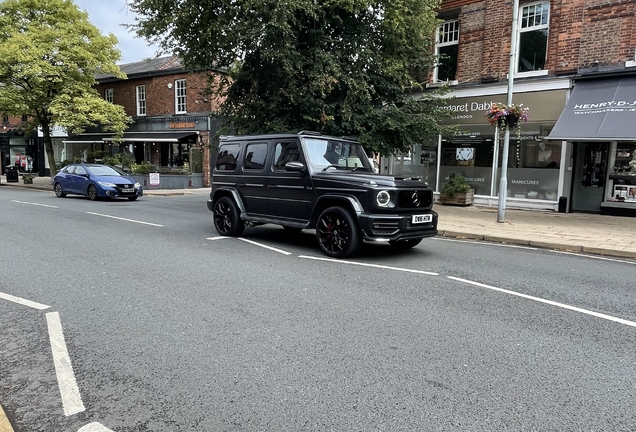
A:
{"points": [[311, 181], [96, 181]]}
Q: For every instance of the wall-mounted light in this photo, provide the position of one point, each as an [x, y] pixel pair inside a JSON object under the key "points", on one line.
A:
{"points": [[169, 85]]}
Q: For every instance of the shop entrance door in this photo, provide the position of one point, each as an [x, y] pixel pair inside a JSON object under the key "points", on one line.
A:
{"points": [[590, 170]]}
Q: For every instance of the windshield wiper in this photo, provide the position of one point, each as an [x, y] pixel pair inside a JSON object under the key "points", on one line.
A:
{"points": [[331, 166], [360, 168]]}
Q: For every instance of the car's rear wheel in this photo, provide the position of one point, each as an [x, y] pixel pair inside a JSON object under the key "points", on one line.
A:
{"points": [[337, 233], [92, 193], [59, 192], [405, 244], [227, 219]]}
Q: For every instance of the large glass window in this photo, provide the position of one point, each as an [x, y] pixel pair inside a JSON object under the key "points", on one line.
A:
{"points": [[141, 100], [533, 36], [420, 162], [446, 51], [180, 96], [533, 164], [470, 154]]}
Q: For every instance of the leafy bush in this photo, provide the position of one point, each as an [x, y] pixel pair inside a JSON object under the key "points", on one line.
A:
{"points": [[456, 184], [110, 160], [142, 168]]}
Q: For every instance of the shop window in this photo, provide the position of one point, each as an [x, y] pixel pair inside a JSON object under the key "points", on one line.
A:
{"points": [[420, 162], [180, 96], [141, 100], [446, 50], [533, 36], [109, 95], [255, 156]]}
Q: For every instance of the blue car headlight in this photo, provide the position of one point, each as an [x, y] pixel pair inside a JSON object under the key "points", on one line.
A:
{"points": [[137, 185], [107, 184]]}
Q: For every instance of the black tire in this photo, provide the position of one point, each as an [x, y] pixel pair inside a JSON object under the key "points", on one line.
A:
{"points": [[133, 198], [405, 244], [337, 233], [227, 219], [92, 193], [58, 190]]}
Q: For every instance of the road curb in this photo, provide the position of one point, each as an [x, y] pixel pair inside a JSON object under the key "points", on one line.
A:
{"points": [[5, 426], [539, 244]]}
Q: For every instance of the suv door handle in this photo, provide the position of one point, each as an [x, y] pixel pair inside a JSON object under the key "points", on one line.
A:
{"points": [[272, 186], [241, 184]]}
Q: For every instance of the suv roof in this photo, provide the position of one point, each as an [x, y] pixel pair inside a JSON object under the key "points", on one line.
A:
{"points": [[284, 135]]}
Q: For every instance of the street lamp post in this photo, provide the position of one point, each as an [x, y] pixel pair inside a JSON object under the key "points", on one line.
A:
{"points": [[503, 182]]}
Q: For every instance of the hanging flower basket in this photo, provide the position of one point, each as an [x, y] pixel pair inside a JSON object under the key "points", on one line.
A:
{"points": [[501, 115]]}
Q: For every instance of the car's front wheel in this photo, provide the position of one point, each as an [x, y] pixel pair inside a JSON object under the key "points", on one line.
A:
{"points": [[337, 233], [405, 244], [92, 193], [59, 192], [227, 219]]}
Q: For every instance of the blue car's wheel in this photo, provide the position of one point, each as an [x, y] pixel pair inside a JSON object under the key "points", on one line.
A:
{"points": [[59, 191], [92, 193]]}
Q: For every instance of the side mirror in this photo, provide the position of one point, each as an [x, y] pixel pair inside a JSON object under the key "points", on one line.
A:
{"points": [[295, 166]]}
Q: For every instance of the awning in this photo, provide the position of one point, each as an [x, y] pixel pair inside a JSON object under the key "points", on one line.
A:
{"points": [[87, 138], [599, 110], [156, 137]]}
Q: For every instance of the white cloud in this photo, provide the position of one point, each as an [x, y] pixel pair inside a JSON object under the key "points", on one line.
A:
{"points": [[108, 16]]}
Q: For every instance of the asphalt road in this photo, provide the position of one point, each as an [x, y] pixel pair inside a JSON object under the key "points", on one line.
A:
{"points": [[170, 328]]}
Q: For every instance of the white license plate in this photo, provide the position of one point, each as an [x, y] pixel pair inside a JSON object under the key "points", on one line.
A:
{"points": [[418, 219], [128, 190]]}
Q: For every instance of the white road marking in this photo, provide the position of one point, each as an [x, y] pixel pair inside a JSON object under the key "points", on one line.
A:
{"points": [[217, 238], [94, 427], [265, 246], [369, 265], [34, 204], [24, 302], [124, 219], [595, 257], [71, 399], [549, 302], [486, 242]]}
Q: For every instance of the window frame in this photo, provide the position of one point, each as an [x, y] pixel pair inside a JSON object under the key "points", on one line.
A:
{"points": [[441, 32], [109, 95], [521, 29], [140, 90], [247, 150], [180, 100]]}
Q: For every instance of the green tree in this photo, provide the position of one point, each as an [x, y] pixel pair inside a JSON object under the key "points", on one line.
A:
{"points": [[50, 55], [341, 67]]}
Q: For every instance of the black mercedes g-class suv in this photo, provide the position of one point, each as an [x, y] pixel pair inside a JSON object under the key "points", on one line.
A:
{"points": [[312, 181]]}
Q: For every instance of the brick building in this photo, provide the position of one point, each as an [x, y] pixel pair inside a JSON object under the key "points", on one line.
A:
{"points": [[172, 125], [575, 70]]}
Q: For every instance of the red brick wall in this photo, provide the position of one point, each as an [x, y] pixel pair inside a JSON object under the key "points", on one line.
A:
{"points": [[581, 33], [160, 100]]}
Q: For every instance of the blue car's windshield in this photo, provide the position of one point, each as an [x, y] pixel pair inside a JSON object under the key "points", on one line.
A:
{"points": [[105, 170]]}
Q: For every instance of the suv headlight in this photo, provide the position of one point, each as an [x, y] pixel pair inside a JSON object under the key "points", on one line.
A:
{"points": [[383, 199], [107, 184]]}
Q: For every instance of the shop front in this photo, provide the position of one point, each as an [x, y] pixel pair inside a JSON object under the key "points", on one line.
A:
{"points": [[536, 171], [599, 122]]}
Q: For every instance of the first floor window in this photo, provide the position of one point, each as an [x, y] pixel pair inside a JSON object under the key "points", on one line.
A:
{"points": [[109, 95], [533, 36], [446, 51], [180, 96], [141, 100]]}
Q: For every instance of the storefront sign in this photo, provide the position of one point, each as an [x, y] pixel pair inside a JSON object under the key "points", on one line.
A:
{"points": [[182, 125]]}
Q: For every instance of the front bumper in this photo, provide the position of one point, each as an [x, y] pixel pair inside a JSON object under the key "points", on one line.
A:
{"points": [[116, 192], [391, 227]]}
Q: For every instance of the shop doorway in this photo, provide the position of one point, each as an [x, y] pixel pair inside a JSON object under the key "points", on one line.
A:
{"points": [[590, 172]]}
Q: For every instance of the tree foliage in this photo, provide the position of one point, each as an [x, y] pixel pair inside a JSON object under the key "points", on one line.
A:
{"points": [[341, 67], [50, 54]]}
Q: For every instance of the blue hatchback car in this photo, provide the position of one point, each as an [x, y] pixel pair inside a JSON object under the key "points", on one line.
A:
{"points": [[96, 181]]}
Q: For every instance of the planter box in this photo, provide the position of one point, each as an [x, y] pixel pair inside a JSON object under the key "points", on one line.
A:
{"points": [[458, 199], [171, 181]]}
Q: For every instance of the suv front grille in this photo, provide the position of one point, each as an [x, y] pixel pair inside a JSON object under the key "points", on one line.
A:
{"points": [[385, 226], [415, 199]]}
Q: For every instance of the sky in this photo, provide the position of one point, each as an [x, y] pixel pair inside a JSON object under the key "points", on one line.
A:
{"points": [[108, 15]]}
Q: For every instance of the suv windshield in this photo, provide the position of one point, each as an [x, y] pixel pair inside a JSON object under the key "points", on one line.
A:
{"points": [[323, 153], [105, 170]]}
